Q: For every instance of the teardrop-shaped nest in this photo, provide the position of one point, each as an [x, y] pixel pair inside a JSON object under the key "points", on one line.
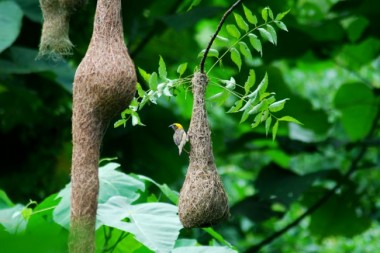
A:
{"points": [[203, 200]]}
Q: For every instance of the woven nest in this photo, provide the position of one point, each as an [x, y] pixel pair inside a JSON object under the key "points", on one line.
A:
{"points": [[203, 201], [55, 41], [104, 84]]}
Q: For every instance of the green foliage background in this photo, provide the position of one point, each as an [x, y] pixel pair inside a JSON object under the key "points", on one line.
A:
{"points": [[328, 64]]}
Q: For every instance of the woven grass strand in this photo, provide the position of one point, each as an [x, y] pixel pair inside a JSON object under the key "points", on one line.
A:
{"points": [[203, 201], [104, 84]]}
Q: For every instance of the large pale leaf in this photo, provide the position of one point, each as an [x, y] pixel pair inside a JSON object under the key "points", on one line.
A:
{"points": [[10, 23], [111, 183], [156, 225], [12, 220]]}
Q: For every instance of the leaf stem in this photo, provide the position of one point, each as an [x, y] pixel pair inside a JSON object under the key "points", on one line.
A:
{"points": [[228, 12]]}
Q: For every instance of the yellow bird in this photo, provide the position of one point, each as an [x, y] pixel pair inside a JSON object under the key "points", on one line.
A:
{"points": [[180, 136]]}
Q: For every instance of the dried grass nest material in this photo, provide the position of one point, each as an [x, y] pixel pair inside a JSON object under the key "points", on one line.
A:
{"points": [[55, 41], [203, 201]]}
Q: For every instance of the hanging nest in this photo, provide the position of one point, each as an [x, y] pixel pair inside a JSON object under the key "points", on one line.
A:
{"points": [[203, 201], [55, 41], [104, 84]]}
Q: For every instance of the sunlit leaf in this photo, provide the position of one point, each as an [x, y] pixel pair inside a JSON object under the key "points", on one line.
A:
{"points": [[241, 23], [211, 53], [264, 14], [238, 104], [281, 15], [256, 43], [153, 81], [250, 81], [244, 49], [250, 17], [266, 35], [236, 58], [156, 225], [289, 119], [263, 85], [223, 39], [144, 75], [233, 31], [257, 120], [281, 25], [162, 69], [230, 84], [278, 106], [273, 33], [140, 90], [182, 68]]}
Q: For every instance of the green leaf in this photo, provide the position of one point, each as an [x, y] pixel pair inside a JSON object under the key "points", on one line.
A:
{"points": [[270, 13], [263, 84], [136, 119], [156, 225], [12, 219], [225, 40], [218, 237], [120, 122], [281, 25], [274, 130], [172, 195], [153, 81], [238, 104], [356, 103], [257, 120], [211, 53], [266, 35], [281, 15], [355, 26], [250, 17], [144, 75], [245, 116], [140, 91], [182, 68], [111, 183], [273, 33], [10, 23], [162, 69], [244, 49], [236, 58], [250, 81], [289, 119], [256, 43], [278, 106], [268, 123], [241, 23], [233, 31], [264, 14]]}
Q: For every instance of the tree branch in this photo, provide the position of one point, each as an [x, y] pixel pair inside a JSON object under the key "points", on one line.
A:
{"points": [[353, 167], [228, 12]]}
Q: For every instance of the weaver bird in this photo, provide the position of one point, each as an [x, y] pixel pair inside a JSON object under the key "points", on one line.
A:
{"points": [[180, 137]]}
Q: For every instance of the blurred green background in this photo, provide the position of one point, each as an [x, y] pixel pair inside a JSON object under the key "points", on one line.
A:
{"points": [[328, 64]]}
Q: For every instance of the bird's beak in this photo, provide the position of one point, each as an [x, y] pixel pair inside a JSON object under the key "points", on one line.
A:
{"points": [[171, 126]]}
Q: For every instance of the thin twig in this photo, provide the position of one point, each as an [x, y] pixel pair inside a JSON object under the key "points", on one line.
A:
{"points": [[228, 12], [328, 195]]}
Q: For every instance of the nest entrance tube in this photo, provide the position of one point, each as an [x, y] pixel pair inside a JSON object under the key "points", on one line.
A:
{"points": [[203, 201]]}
